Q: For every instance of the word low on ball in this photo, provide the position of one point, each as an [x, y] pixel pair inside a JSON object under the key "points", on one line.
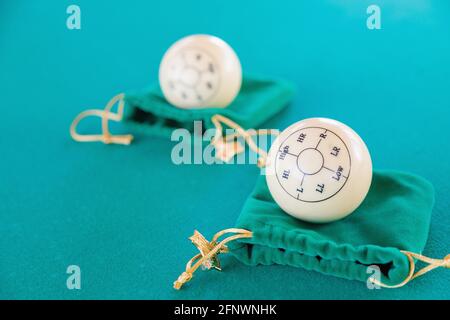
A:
{"points": [[319, 170], [200, 71]]}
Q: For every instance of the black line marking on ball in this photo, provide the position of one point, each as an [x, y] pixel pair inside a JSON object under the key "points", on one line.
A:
{"points": [[291, 154]]}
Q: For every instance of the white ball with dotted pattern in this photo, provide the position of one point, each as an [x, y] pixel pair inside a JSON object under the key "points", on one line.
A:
{"points": [[319, 170], [200, 71]]}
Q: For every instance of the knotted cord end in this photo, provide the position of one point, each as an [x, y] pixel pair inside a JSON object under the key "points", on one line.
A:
{"points": [[261, 162], [205, 247], [225, 150]]}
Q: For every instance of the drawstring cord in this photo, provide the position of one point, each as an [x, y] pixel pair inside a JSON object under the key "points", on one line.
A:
{"points": [[106, 115], [432, 264], [208, 252], [225, 149]]}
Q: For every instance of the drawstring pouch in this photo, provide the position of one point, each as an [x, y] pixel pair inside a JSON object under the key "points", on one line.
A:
{"points": [[384, 233], [149, 113]]}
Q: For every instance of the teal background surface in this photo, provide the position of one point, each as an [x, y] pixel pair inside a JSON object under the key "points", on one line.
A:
{"points": [[123, 214]]}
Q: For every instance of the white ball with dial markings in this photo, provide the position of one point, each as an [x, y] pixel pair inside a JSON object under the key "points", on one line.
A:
{"points": [[200, 71], [319, 170]]}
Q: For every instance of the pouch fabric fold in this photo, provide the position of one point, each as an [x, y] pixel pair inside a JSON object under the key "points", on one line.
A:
{"points": [[259, 99], [394, 216]]}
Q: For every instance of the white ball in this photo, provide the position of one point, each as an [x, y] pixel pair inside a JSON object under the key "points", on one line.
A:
{"points": [[319, 170], [200, 71]]}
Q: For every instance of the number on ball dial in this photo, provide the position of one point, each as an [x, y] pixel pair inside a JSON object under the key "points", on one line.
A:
{"points": [[200, 71], [319, 170]]}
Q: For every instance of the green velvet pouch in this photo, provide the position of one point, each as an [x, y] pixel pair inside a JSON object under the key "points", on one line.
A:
{"points": [[394, 216], [259, 99]]}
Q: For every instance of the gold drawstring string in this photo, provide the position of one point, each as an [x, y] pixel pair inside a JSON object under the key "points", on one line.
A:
{"points": [[432, 264], [208, 252], [105, 115], [225, 149]]}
